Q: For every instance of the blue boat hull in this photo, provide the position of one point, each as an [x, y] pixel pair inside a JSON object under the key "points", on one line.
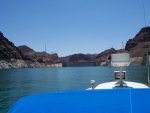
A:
{"points": [[86, 101]]}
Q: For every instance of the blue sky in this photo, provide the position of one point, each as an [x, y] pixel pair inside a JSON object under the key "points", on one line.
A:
{"points": [[72, 26]]}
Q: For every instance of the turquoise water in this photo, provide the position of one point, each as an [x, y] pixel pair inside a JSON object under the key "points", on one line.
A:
{"points": [[17, 83]]}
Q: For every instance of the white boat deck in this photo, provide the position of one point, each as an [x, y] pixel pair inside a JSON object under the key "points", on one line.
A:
{"points": [[111, 85]]}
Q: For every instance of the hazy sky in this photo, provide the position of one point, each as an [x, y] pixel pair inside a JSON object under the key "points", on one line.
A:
{"points": [[72, 26]]}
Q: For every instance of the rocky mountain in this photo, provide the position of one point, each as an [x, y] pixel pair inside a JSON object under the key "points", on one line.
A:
{"points": [[65, 59], [25, 49], [23, 56], [78, 58], [92, 57], [41, 57], [8, 50], [103, 55], [139, 46], [142, 36], [12, 57], [103, 58]]}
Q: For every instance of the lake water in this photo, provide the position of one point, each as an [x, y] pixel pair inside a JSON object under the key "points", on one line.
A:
{"points": [[17, 83]]}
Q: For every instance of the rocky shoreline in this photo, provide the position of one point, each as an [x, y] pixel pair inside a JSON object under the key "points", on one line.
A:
{"points": [[13, 63]]}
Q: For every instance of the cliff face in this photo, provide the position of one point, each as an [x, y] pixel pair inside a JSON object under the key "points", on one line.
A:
{"points": [[41, 57], [8, 50], [141, 37], [137, 47]]}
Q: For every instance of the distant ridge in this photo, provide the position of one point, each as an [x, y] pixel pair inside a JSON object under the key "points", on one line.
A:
{"points": [[78, 58]]}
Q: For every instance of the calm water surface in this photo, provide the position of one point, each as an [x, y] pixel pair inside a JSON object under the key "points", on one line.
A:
{"points": [[17, 83]]}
